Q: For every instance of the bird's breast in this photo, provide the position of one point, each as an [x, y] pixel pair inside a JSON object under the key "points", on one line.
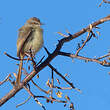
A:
{"points": [[34, 42]]}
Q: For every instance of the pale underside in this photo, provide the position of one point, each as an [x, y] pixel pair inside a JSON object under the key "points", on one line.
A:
{"points": [[29, 39]]}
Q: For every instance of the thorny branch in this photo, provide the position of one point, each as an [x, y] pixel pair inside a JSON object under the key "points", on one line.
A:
{"points": [[50, 57]]}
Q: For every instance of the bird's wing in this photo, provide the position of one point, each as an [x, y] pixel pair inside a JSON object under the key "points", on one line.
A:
{"points": [[24, 33]]}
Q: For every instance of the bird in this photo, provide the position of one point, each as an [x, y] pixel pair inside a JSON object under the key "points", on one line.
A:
{"points": [[30, 36]]}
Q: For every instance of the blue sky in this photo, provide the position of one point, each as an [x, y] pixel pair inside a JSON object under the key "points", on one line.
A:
{"points": [[58, 15]]}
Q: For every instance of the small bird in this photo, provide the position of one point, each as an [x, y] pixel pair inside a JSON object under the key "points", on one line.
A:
{"points": [[30, 37]]}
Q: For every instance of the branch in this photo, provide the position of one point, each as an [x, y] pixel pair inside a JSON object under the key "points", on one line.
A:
{"points": [[6, 79], [23, 102], [13, 57], [25, 73], [51, 99], [87, 39], [104, 63], [34, 97], [39, 87], [63, 88], [61, 76], [105, 1], [49, 59], [52, 83]]}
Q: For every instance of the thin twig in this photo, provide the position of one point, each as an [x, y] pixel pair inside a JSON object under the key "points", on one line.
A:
{"points": [[52, 83], [104, 1], [34, 97], [107, 64], [18, 59], [40, 61], [62, 88], [39, 87], [104, 56], [12, 82], [25, 73], [47, 50], [101, 3], [51, 99], [23, 102], [5, 80], [62, 34], [83, 44], [71, 84]]}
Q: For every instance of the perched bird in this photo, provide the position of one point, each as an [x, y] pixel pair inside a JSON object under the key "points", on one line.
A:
{"points": [[30, 38]]}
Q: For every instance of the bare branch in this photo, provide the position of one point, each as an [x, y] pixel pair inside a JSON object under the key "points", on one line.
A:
{"points": [[104, 56], [39, 87], [47, 50], [104, 63], [62, 34], [88, 38], [52, 83], [105, 1], [34, 97], [25, 72], [18, 59], [51, 99], [23, 102], [40, 61], [6, 79], [63, 88], [71, 84]]}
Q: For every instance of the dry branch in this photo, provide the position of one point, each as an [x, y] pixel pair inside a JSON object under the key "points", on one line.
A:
{"points": [[105, 1], [104, 63]]}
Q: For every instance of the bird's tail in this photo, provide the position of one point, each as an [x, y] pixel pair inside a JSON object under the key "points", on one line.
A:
{"points": [[18, 79]]}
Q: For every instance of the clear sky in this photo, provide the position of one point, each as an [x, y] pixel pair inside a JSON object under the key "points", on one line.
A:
{"points": [[58, 15]]}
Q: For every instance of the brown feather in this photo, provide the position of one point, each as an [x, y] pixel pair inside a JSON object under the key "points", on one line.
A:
{"points": [[24, 33], [19, 72]]}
